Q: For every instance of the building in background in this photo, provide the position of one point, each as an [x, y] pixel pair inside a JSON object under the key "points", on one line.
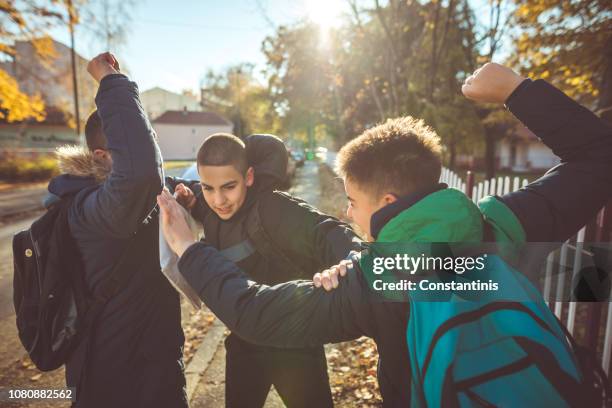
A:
{"points": [[520, 152], [51, 78], [156, 101], [181, 132]]}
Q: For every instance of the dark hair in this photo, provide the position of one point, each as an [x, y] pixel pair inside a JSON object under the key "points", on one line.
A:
{"points": [[399, 156], [94, 134], [223, 149]]}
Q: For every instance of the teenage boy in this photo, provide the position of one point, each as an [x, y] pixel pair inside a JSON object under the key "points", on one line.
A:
{"points": [[132, 357], [274, 238], [390, 174]]}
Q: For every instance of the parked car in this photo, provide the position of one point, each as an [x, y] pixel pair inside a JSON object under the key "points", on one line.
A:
{"points": [[298, 155], [191, 173]]}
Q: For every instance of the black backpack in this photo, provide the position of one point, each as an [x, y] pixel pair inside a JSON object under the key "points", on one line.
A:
{"points": [[54, 309]]}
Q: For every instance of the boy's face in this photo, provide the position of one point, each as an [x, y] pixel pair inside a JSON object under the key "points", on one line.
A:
{"points": [[225, 188], [362, 204]]}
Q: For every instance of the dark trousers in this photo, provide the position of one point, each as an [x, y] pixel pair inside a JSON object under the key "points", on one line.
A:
{"points": [[299, 375]]}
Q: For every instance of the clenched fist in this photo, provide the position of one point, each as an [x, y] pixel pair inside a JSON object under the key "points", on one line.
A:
{"points": [[103, 65], [491, 83]]}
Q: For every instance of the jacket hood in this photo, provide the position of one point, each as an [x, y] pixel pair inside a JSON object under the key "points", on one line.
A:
{"points": [[79, 170], [381, 217], [447, 215], [268, 156], [78, 161]]}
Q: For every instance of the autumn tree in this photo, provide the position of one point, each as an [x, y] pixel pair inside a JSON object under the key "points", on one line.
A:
{"points": [[107, 22], [237, 95], [300, 79], [483, 40], [23, 20], [570, 44]]}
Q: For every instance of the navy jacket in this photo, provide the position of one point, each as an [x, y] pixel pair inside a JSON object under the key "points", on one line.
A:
{"points": [[136, 352]]}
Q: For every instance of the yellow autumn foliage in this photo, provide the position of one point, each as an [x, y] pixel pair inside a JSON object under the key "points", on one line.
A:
{"points": [[16, 105]]}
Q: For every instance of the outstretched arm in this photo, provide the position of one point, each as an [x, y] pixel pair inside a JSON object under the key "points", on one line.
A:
{"points": [[291, 314]]}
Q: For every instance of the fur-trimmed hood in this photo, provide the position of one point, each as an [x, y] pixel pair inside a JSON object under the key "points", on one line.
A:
{"points": [[78, 161], [79, 170]]}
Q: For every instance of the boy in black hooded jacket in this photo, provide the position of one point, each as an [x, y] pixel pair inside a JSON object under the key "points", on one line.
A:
{"points": [[274, 237]]}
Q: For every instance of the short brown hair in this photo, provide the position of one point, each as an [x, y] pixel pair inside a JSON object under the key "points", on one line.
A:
{"points": [[399, 156], [223, 149], [94, 133]]}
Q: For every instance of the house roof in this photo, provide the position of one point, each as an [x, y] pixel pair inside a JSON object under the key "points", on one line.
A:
{"points": [[184, 117]]}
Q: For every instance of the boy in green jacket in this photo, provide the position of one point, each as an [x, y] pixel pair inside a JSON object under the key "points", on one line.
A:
{"points": [[455, 353]]}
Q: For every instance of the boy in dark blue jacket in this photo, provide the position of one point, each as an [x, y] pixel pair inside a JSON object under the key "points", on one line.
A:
{"points": [[133, 355]]}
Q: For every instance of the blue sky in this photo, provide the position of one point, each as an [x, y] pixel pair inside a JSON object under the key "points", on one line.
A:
{"points": [[172, 44]]}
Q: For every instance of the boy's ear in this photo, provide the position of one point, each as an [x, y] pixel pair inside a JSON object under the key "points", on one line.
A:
{"points": [[250, 176], [101, 154], [388, 199]]}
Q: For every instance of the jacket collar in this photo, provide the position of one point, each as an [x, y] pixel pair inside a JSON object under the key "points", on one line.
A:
{"points": [[381, 217], [79, 170], [79, 161]]}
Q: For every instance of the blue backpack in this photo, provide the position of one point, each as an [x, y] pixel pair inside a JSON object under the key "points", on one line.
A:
{"points": [[492, 352]]}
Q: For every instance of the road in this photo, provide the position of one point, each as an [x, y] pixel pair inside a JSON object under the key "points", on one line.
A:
{"points": [[21, 200]]}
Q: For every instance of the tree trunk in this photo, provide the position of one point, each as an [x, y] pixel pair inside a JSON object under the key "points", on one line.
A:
{"points": [[452, 147], [490, 141]]}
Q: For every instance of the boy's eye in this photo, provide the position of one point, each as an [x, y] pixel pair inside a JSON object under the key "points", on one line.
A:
{"points": [[230, 187], [206, 188]]}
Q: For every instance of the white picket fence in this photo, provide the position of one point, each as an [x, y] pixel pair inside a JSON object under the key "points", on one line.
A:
{"points": [[494, 186], [572, 249]]}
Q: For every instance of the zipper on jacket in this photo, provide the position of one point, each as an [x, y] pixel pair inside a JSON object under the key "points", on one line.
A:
{"points": [[36, 256]]}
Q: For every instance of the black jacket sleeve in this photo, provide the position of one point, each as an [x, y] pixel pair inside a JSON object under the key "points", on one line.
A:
{"points": [[129, 193], [292, 314], [302, 231], [194, 185], [554, 207]]}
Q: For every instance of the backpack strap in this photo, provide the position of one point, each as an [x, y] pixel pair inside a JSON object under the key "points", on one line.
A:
{"points": [[265, 246], [240, 251]]}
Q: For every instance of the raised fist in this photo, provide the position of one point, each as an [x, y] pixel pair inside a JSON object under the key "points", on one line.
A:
{"points": [[103, 65], [492, 83]]}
